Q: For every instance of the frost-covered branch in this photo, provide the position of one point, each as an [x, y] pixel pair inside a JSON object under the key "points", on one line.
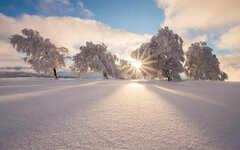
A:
{"points": [[40, 53], [163, 56], [94, 57], [202, 64]]}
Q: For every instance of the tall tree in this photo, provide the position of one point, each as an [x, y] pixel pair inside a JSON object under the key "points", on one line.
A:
{"points": [[163, 56], [40, 53], [94, 57], [202, 64]]}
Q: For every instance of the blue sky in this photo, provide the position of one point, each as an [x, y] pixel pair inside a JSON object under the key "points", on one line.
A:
{"points": [[123, 25], [137, 16]]}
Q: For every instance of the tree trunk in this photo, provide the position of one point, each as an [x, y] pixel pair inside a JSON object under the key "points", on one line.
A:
{"points": [[55, 74], [167, 74], [104, 75], [169, 79]]}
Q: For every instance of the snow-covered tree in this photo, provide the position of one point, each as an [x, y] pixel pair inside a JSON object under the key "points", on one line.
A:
{"points": [[202, 64], [143, 55], [40, 53], [163, 56], [94, 57], [124, 69]]}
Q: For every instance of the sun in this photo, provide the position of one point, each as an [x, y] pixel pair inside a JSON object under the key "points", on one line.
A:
{"points": [[140, 65], [137, 64]]}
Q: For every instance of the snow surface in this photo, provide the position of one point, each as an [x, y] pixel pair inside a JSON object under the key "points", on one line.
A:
{"points": [[118, 114]]}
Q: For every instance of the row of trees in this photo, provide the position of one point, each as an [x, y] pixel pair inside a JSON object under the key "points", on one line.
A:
{"points": [[162, 57]]}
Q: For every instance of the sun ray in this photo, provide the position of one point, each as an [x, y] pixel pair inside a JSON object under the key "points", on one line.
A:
{"points": [[132, 73], [141, 75], [151, 62], [143, 54], [139, 64], [133, 55], [138, 53], [145, 71], [147, 58], [126, 71], [149, 68], [136, 74]]}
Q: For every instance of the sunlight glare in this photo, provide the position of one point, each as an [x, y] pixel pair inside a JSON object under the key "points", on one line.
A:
{"points": [[137, 64]]}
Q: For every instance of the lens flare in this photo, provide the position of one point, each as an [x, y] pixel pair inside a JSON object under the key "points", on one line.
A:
{"points": [[137, 64], [140, 65]]}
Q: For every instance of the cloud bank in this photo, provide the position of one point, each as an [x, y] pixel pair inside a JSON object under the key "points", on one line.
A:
{"points": [[192, 19], [200, 16], [9, 57], [231, 65], [230, 40], [69, 32]]}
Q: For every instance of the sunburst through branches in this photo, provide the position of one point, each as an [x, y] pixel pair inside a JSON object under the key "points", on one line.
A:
{"points": [[140, 65], [137, 64]]}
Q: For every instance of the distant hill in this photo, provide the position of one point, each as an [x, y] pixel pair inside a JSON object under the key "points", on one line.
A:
{"points": [[61, 74], [15, 74], [14, 68]]}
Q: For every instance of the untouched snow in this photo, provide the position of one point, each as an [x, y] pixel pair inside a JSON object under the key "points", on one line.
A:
{"points": [[101, 114]]}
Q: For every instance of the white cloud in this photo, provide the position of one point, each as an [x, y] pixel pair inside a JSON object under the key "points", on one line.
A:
{"points": [[204, 20], [187, 42], [230, 40], [66, 2], [88, 12], [80, 4], [62, 7], [231, 65], [54, 7], [9, 57], [200, 16], [85, 11], [71, 32]]}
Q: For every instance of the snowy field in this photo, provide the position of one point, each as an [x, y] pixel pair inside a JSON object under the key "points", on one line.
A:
{"points": [[114, 114]]}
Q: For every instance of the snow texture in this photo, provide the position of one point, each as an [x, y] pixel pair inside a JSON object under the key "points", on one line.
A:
{"points": [[118, 114]]}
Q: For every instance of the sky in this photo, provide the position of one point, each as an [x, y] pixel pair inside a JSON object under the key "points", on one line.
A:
{"points": [[123, 25]]}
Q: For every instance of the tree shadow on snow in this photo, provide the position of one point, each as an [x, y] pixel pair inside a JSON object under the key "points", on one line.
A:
{"points": [[36, 114], [220, 121]]}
